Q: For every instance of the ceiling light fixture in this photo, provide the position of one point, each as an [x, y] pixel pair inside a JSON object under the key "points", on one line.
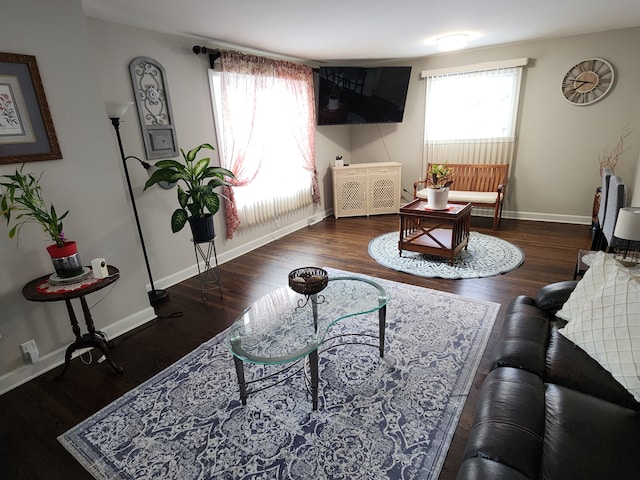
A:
{"points": [[449, 43]]}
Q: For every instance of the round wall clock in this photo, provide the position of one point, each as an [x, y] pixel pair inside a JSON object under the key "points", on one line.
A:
{"points": [[587, 81]]}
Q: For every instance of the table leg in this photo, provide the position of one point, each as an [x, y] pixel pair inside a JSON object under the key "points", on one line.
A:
{"points": [[72, 317], [314, 309], [240, 373], [67, 361], [313, 365], [97, 340], [89, 340], [76, 331], [382, 325]]}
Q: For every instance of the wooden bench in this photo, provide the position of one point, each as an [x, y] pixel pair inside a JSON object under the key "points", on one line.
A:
{"points": [[482, 185]]}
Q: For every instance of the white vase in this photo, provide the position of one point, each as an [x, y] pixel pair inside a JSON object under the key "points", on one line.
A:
{"points": [[437, 198]]}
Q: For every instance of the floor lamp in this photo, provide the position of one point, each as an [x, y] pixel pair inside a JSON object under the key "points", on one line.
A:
{"points": [[116, 111]]}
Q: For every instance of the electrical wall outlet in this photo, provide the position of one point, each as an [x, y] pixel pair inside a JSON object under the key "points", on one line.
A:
{"points": [[30, 351]]}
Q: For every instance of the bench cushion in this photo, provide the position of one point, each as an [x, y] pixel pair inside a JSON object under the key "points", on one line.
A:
{"points": [[459, 196]]}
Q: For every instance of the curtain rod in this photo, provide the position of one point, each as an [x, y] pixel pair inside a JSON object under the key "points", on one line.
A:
{"points": [[213, 54]]}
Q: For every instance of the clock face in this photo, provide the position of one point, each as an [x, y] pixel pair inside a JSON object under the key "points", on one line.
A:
{"points": [[587, 81]]}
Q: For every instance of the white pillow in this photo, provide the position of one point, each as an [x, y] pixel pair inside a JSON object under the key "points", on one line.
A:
{"points": [[608, 328], [602, 266]]}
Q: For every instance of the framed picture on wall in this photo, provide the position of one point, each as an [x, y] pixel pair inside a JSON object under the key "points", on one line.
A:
{"points": [[26, 128]]}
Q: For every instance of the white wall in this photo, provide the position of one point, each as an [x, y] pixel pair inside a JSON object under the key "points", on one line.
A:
{"points": [[83, 64], [87, 181], [555, 171]]}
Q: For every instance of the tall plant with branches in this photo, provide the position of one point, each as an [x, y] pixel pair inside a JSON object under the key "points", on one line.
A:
{"points": [[609, 158]]}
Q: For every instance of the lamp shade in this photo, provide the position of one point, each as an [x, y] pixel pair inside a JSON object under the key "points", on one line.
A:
{"points": [[628, 224], [117, 110]]}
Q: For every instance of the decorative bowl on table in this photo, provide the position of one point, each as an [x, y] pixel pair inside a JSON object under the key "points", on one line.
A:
{"points": [[308, 280]]}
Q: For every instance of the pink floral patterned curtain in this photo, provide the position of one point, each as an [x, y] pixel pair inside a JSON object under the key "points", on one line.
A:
{"points": [[245, 79]]}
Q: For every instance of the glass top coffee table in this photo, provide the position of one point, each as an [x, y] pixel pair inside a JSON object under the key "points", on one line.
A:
{"points": [[284, 326]]}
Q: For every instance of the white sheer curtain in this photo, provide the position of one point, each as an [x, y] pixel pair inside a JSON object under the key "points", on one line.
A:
{"points": [[471, 113], [265, 118]]}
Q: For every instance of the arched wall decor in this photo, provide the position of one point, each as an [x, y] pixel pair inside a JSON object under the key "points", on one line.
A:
{"points": [[151, 93]]}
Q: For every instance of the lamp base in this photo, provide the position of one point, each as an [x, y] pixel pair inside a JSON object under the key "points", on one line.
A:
{"points": [[158, 296]]}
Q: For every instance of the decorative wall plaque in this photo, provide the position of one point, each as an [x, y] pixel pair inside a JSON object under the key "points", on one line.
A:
{"points": [[151, 92]]}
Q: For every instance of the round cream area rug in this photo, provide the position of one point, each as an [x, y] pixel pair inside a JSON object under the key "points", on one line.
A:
{"points": [[485, 256]]}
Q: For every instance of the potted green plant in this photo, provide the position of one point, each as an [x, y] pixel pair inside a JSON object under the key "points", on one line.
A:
{"points": [[24, 203], [438, 182], [198, 201]]}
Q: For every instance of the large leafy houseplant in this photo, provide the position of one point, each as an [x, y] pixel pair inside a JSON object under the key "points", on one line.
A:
{"points": [[24, 203], [199, 178]]}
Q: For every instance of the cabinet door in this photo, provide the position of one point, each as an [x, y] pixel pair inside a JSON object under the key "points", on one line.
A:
{"points": [[384, 190], [350, 193]]}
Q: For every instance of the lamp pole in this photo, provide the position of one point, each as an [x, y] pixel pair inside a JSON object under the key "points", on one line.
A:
{"points": [[155, 295]]}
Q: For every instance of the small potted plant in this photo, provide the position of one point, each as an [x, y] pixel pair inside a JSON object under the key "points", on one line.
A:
{"points": [[438, 183], [198, 201], [24, 203]]}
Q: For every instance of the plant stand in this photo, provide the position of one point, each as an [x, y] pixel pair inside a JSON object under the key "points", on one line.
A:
{"points": [[208, 273]]}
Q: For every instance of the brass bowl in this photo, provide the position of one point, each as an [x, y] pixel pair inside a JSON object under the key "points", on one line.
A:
{"points": [[308, 280]]}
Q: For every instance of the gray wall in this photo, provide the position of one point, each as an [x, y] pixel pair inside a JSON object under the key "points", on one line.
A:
{"points": [[84, 63], [555, 171]]}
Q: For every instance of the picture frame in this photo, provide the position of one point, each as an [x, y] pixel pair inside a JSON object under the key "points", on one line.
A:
{"points": [[27, 133]]}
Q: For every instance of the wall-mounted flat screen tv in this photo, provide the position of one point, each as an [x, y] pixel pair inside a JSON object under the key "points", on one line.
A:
{"points": [[353, 95]]}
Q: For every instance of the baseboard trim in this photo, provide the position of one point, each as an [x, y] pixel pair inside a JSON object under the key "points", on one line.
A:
{"points": [[54, 359], [548, 217], [191, 271]]}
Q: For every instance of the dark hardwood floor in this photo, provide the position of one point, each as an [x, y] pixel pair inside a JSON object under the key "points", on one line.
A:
{"points": [[34, 414]]}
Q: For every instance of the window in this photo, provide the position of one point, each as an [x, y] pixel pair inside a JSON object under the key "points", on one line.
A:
{"points": [[469, 110], [265, 121]]}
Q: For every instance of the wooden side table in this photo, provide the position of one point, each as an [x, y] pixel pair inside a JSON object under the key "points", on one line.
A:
{"points": [[39, 290], [435, 232]]}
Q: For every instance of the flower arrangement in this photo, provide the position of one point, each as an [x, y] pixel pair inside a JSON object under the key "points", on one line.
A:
{"points": [[23, 197], [439, 176]]}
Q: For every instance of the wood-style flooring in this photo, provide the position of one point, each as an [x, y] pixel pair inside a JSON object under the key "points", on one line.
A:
{"points": [[34, 414]]}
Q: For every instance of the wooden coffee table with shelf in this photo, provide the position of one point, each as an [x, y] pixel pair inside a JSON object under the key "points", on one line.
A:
{"points": [[435, 232]]}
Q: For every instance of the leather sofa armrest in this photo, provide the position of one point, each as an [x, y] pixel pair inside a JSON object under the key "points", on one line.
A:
{"points": [[550, 298], [508, 426]]}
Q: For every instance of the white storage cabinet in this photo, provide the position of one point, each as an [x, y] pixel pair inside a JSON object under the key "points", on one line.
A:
{"points": [[366, 189]]}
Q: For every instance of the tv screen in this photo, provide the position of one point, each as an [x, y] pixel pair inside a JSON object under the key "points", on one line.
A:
{"points": [[352, 95]]}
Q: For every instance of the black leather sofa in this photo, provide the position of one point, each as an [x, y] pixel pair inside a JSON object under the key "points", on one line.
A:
{"points": [[547, 410]]}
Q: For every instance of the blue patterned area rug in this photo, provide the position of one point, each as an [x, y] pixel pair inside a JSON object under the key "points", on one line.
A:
{"points": [[390, 418], [485, 256]]}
